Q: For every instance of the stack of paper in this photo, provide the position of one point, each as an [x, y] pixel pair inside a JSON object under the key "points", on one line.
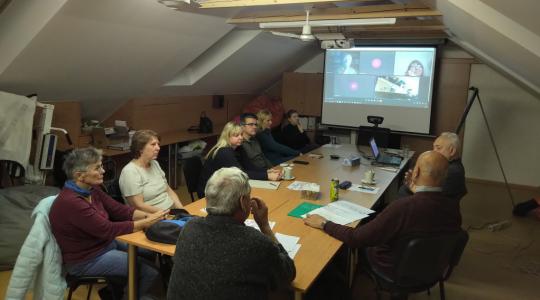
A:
{"points": [[289, 243], [335, 146], [315, 155], [306, 186], [262, 184], [252, 223], [342, 212]]}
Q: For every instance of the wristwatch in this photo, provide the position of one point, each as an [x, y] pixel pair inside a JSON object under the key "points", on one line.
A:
{"points": [[323, 223]]}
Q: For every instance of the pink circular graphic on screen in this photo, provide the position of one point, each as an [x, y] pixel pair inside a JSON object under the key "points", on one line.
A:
{"points": [[354, 86], [376, 63]]}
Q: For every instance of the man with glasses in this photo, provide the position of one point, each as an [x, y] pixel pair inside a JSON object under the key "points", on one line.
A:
{"points": [[250, 151]]}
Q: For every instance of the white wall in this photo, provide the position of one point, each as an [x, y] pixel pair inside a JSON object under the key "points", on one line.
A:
{"points": [[514, 117], [315, 65]]}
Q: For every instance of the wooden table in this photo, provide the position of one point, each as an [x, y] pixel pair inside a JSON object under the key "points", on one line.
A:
{"points": [[317, 248]]}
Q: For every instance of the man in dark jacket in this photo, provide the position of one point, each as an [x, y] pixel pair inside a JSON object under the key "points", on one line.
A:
{"points": [[454, 187], [427, 211], [251, 151], [218, 257]]}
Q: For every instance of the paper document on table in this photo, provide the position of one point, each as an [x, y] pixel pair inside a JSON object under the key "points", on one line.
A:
{"points": [[262, 184], [292, 252], [363, 189], [335, 146], [252, 223], [342, 212], [344, 204], [289, 243], [301, 185]]}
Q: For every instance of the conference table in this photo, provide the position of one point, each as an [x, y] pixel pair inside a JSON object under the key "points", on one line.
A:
{"points": [[317, 248]]}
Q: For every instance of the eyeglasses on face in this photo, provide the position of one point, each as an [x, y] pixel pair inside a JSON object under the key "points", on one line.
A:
{"points": [[97, 167]]}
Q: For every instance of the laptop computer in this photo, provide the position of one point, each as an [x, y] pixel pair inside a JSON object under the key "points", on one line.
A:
{"points": [[381, 158]]}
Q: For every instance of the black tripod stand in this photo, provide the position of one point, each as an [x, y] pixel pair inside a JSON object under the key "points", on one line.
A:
{"points": [[476, 95]]}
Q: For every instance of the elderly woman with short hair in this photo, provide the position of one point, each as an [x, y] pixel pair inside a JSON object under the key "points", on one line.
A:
{"points": [[142, 181], [85, 222]]}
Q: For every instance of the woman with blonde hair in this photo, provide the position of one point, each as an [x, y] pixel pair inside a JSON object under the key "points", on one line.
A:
{"points": [[274, 151], [224, 155]]}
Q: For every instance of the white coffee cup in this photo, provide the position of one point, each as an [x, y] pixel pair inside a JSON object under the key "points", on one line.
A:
{"points": [[369, 176], [287, 173]]}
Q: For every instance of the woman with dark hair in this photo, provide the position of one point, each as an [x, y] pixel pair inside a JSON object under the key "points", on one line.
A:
{"points": [[274, 151], [142, 181], [294, 135], [415, 68], [85, 222]]}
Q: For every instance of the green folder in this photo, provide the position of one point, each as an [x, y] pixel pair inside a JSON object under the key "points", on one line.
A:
{"points": [[303, 209]]}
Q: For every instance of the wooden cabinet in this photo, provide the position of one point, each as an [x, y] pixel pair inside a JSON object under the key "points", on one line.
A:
{"points": [[303, 92]]}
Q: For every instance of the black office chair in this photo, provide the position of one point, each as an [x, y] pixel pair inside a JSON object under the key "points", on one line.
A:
{"points": [[192, 171], [424, 261], [13, 169], [114, 285], [381, 135]]}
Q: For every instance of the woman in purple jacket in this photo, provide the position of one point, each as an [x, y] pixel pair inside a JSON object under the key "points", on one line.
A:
{"points": [[85, 222]]}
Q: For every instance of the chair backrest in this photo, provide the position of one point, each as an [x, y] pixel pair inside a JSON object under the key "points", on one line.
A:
{"points": [[13, 169], [381, 135], [192, 171], [429, 259]]}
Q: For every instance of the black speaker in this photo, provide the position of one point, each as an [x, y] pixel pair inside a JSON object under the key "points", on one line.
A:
{"points": [[218, 101]]}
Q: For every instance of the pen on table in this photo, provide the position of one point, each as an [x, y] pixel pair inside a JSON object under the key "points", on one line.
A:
{"points": [[367, 188], [272, 184], [389, 169]]}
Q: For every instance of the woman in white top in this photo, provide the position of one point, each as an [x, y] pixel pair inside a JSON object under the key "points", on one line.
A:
{"points": [[142, 181]]}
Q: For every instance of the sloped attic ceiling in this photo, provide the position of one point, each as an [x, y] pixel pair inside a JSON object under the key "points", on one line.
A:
{"points": [[252, 67], [104, 52], [503, 34]]}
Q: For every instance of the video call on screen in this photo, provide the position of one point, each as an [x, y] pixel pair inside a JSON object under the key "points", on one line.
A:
{"points": [[396, 76]]}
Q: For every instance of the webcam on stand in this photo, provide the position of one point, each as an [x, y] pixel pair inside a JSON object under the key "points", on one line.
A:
{"points": [[375, 120]]}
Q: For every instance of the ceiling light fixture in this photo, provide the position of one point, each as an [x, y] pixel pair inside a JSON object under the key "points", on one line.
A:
{"points": [[329, 23]]}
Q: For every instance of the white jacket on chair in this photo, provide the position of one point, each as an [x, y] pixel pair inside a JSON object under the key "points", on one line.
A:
{"points": [[39, 264]]}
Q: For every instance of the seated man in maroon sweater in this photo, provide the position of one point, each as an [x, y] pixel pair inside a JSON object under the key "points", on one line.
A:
{"points": [[427, 211], [85, 222]]}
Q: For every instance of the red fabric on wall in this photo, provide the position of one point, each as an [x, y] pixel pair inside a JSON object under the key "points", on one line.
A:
{"points": [[275, 106]]}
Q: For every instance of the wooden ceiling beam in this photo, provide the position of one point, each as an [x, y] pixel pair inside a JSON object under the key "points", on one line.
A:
{"points": [[249, 3], [410, 35], [376, 11]]}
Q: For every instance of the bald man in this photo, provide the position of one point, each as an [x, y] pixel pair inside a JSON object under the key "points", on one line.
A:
{"points": [[454, 187], [425, 212]]}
